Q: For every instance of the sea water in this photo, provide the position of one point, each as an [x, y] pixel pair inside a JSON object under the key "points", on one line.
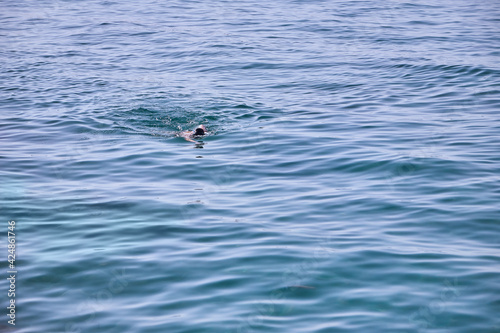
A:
{"points": [[349, 181]]}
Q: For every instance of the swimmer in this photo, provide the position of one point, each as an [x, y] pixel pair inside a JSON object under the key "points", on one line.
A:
{"points": [[189, 135]]}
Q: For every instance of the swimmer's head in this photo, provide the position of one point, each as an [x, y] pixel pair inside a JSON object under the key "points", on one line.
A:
{"points": [[200, 130]]}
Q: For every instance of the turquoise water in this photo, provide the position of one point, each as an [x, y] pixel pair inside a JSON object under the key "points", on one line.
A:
{"points": [[349, 182]]}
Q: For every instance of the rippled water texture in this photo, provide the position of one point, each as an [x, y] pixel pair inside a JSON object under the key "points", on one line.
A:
{"points": [[349, 182]]}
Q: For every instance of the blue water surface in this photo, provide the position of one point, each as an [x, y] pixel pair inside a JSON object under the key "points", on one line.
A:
{"points": [[349, 181]]}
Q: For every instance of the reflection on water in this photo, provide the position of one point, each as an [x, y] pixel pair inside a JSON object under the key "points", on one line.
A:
{"points": [[199, 144]]}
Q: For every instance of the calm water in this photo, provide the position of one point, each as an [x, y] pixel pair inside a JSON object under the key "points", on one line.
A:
{"points": [[350, 181]]}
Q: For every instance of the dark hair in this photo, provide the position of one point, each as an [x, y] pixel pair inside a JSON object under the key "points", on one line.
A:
{"points": [[199, 131]]}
